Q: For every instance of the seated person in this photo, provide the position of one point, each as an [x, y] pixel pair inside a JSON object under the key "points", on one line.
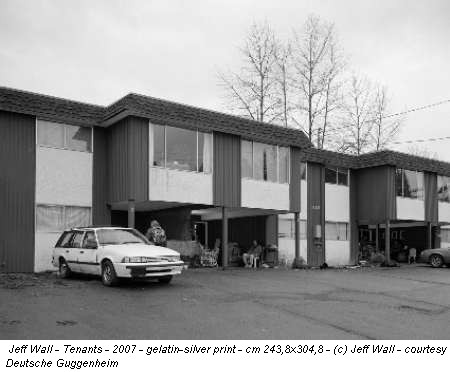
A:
{"points": [[253, 253]]}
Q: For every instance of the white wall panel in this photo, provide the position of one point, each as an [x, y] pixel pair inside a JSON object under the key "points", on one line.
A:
{"points": [[444, 212], [44, 243], [63, 177], [337, 203], [303, 199], [265, 195], [180, 186], [286, 250], [337, 253], [410, 209]]}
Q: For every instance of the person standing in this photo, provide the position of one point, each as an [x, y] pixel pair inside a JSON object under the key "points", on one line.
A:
{"points": [[156, 234]]}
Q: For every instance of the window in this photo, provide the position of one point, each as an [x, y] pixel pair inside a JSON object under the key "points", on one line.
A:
{"points": [[409, 184], [336, 231], [283, 157], [247, 159], [89, 240], [64, 240], [181, 149], [303, 171], [54, 218], [286, 228], [76, 241], [336, 176], [62, 136], [443, 185], [265, 162]]}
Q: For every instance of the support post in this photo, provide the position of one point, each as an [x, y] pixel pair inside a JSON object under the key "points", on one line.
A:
{"points": [[429, 235], [131, 213], [387, 237], [297, 237], [224, 238], [377, 238]]}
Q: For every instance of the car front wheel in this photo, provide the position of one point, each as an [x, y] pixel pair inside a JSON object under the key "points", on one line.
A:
{"points": [[109, 277], [165, 279], [64, 269], [436, 260]]}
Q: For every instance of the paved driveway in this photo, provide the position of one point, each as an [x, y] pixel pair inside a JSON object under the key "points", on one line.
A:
{"points": [[382, 303]]}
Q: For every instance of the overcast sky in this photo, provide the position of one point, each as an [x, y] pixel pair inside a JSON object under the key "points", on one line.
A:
{"points": [[97, 51]]}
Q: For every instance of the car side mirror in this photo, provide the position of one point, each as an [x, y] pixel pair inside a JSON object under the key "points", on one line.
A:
{"points": [[91, 245]]}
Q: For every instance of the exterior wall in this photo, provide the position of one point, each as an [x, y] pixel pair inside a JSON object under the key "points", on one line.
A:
{"points": [[304, 199], [63, 177], [101, 215], [286, 250], [17, 191], [444, 244], [128, 167], [431, 197], [226, 170], [337, 203], [375, 194], [444, 212], [180, 186], [410, 209], [265, 195], [337, 253], [316, 213], [295, 180]]}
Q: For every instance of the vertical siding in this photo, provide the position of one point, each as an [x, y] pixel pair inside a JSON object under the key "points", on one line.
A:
{"points": [[227, 170], [354, 229], [376, 194], [128, 166], [431, 197], [294, 185], [17, 191], [100, 212], [315, 212]]}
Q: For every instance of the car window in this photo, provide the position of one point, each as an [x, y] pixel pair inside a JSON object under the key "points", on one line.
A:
{"points": [[120, 236], [89, 239], [64, 240], [77, 238]]}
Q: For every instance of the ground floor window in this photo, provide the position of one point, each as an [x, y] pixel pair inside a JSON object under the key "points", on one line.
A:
{"points": [[286, 229], [54, 218], [336, 231], [445, 235]]}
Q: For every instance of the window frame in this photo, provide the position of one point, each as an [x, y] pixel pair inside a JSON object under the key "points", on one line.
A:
{"points": [[277, 152], [445, 184], [64, 219], [64, 126], [420, 192], [164, 126], [338, 170], [337, 224]]}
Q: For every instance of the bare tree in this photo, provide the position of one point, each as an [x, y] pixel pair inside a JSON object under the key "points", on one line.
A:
{"points": [[385, 130], [358, 113], [283, 77], [318, 64], [252, 91], [423, 152]]}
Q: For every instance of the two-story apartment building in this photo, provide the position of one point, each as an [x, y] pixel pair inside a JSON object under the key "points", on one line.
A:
{"points": [[205, 176]]}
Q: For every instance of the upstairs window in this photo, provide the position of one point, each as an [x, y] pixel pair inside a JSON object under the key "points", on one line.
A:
{"points": [[303, 171], [336, 176], [265, 162], [409, 184], [63, 136], [443, 189], [180, 149]]}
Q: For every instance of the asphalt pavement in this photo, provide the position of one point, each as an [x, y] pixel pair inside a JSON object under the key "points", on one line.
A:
{"points": [[410, 302]]}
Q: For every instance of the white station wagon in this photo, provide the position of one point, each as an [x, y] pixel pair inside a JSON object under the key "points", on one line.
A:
{"points": [[113, 253]]}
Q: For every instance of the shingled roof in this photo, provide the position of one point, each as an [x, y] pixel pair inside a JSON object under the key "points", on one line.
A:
{"points": [[375, 159], [156, 110]]}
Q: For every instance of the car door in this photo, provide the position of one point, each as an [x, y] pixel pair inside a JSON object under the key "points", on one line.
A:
{"points": [[88, 254], [75, 249], [63, 248]]}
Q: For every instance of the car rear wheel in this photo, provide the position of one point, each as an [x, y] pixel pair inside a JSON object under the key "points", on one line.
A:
{"points": [[436, 260], [109, 277], [165, 279], [64, 269]]}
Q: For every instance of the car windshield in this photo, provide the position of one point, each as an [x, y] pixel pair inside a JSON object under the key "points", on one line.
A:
{"points": [[120, 236]]}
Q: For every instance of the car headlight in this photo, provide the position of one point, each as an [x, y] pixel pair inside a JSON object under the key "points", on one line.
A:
{"points": [[139, 259]]}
